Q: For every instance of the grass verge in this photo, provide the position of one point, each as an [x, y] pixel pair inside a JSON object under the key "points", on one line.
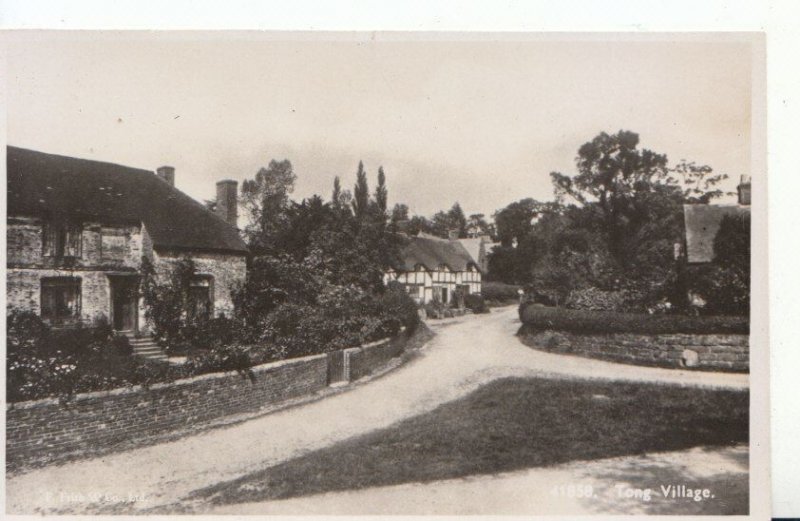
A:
{"points": [[509, 424]]}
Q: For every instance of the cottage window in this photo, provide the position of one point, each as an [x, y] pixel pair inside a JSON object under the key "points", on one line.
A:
{"points": [[62, 240], [201, 301], [61, 298]]}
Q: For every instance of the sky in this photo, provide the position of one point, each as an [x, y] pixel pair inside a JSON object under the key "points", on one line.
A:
{"points": [[478, 119]]}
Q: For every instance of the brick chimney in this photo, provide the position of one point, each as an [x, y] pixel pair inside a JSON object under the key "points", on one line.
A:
{"points": [[166, 173], [744, 190], [226, 201], [452, 235]]}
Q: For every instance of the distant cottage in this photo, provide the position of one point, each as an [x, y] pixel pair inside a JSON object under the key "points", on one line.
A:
{"points": [[434, 266], [78, 230], [479, 248], [702, 223]]}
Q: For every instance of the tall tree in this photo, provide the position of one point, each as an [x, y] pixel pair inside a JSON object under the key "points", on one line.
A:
{"points": [[381, 194], [265, 200], [515, 221], [453, 220], [699, 183], [337, 191], [477, 225], [621, 181], [361, 193], [399, 213]]}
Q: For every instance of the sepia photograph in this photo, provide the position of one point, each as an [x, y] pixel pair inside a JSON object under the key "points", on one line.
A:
{"points": [[383, 273]]}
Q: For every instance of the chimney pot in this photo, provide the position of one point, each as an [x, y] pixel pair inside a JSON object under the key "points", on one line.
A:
{"points": [[744, 190], [166, 173], [227, 207]]}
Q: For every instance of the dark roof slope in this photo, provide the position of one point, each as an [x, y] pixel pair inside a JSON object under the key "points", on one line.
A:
{"points": [[432, 252], [48, 185], [702, 224]]}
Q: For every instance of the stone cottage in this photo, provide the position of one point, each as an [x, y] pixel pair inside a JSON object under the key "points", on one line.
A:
{"points": [[78, 231], [432, 265]]}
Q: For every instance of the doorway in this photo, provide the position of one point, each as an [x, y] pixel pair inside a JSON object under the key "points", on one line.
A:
{"points": [[124, 303]]}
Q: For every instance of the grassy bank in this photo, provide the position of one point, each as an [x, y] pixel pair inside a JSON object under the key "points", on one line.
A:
{"points": [[508, 425]]}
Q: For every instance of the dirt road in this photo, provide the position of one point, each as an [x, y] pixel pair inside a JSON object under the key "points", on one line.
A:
{"points": [[464, 355]]}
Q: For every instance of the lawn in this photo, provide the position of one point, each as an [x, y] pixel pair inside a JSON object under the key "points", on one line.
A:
{"points": [[509, 424]]}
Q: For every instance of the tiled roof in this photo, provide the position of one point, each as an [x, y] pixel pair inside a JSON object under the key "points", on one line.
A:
{"points": [[48, 185], [433, 252], [702, 224]]}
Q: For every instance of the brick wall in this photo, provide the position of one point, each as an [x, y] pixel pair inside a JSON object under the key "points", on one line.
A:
{"points": [[364, 360], [704, 352], [361, 361], [44, 431]]}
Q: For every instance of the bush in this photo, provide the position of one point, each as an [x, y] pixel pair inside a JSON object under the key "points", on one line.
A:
{"points": [[499, 292], [595, 299], [476, 303], [537, 317], [43, 362], [221, 359], [211, 333], [397, 308]]}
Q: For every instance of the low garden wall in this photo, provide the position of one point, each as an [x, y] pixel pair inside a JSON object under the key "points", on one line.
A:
{"points": [[46, 430], [704, 343], [363, 361], [709, 352]]}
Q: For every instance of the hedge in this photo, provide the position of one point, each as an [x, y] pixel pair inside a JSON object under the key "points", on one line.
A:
{"points": [[538, 317], [499, 292]]}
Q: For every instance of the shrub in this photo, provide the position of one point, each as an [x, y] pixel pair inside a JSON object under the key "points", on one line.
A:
{"points": [[24, 330], [397, 308], [220, 359], [476, 303], [595, 299], [211, 333], [44, 362], [499, 292], [537, 317]]}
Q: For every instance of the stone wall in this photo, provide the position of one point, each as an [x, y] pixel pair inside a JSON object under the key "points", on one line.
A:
{"points": [[23, 291], [716, 352], [46, 431], [103, 247]]}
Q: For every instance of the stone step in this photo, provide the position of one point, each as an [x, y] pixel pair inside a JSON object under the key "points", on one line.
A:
{"points": [[154, 356], [143, 349], [146, 347]]}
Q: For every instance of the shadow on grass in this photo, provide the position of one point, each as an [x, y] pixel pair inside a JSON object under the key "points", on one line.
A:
{"points": [[509, 424]]}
